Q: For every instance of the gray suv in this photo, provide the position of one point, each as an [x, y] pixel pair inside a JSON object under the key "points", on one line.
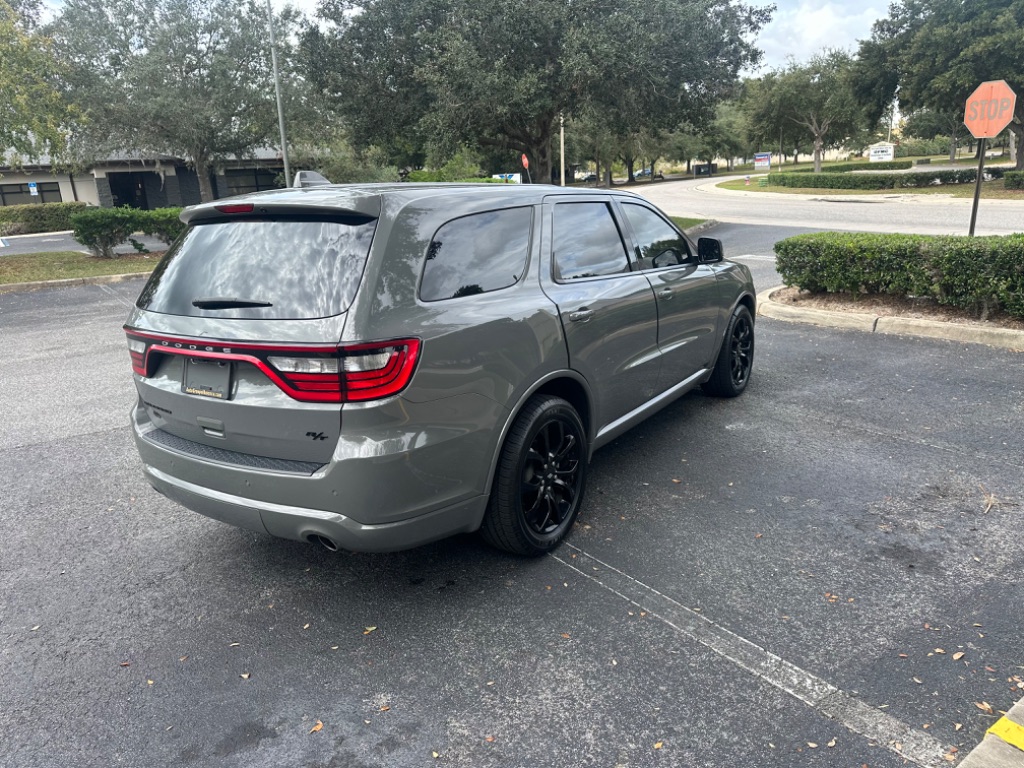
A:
{"points": [[374, 367]]}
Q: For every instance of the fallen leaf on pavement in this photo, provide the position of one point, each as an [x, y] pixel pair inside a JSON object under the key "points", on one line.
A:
{"points": [[831, 744], [125, 664], [233, 645], [812, 745], [319, 726], [939, 650], [984, 706], [149, 682], [565, 635], [245, 675], [658, 744], [306, 626], [957, 726], [435, 755], [489, 739], [916, 680], [369, 630], [958, 655], [385, 708]]}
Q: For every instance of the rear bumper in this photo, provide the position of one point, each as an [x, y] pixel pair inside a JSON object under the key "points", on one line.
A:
{"points": [[300, 524]]}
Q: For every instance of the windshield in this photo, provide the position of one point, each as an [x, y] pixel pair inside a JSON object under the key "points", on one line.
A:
{"points": [[281, 268]]}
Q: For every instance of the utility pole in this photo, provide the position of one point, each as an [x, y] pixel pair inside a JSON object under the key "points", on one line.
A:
{"points": [[561, 145], [277, 93]]}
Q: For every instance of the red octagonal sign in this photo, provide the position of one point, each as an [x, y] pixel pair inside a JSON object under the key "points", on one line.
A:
{"points": [[989, 109]]}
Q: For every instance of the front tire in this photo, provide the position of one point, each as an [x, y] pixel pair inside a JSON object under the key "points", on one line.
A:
{"points": [[736, 358], [540, 479]]}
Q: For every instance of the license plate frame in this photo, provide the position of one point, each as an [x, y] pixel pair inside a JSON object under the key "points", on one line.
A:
{"points": [[207, 378]]}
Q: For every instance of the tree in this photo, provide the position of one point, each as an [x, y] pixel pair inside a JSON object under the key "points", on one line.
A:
{"points": [[34, 117], [187, 78], [817, 98], [939, 51], [451, 72]]}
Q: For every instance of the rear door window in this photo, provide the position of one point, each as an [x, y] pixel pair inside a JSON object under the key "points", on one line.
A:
{"points": [[586, 242], [475, 254], [281, 268]]}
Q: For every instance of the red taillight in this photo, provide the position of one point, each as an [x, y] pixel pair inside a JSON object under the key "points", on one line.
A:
{"points": [[234, 208], [314, 373]]}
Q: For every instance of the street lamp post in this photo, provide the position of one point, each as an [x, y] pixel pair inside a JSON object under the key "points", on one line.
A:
{"points": [[277, 93]]}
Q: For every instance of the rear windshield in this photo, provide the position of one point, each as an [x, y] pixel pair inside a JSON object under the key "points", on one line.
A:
{"points": [[261, 269]]}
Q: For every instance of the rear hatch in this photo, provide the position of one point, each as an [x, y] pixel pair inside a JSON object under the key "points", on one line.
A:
{"points": [[234, 339]]}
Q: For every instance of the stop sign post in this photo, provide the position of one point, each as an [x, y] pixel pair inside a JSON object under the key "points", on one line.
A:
{"points": [[987, 112]]}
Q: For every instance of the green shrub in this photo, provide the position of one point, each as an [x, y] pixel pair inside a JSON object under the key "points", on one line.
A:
{"points": [[980, 274], [437, 176], [37, 217], [888, 165], [102, 229], [880, 180], [164, 224], [1013, 179]]}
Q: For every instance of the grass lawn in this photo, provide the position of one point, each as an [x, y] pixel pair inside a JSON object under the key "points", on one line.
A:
{"points": [[990, 190], [60, 265], [684, 223]]}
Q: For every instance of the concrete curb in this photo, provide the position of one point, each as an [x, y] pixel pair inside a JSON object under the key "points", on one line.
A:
{"points": [[994, 752], [1004, 338], [72, 281], [702, 227]]}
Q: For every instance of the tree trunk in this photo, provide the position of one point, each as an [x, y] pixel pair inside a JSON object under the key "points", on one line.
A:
{"points": [[1017, 146], [205, 187], [952, 147], [817, 154], [630, 162]]}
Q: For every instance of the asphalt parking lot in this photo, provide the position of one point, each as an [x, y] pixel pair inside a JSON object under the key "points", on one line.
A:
{"points": [[822, 572]]}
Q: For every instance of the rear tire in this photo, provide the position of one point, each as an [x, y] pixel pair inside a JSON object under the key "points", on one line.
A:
{"points": [[736, 358], [540, 479]]}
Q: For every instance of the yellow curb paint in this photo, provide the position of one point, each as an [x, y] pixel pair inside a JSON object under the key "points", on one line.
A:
{"points": [[1010, 732]]}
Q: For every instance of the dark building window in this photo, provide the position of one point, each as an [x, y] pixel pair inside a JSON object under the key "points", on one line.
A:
{"points": [[18, 194], [243, 180]]}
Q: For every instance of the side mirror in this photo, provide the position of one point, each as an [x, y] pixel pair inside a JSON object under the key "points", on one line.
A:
{"points": [[710, 250]]}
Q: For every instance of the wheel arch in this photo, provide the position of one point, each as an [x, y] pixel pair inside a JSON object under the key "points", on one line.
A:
{"points": [[566, 384]]}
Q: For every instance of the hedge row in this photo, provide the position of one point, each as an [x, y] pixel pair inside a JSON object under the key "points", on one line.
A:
{"points": [[880, 180], [440, 176], [103, 229], [37, 217], [1013, 179], [887, 165], [980, 274]]}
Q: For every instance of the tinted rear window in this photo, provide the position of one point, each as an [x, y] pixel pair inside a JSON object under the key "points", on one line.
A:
{"points": [[302, 268]]}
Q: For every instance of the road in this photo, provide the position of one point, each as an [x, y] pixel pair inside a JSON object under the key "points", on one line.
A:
{"points": [[917, 214], [787, 579]]}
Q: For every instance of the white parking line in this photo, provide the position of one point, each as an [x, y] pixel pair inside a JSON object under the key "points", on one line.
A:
{"points": [[825, 698]]}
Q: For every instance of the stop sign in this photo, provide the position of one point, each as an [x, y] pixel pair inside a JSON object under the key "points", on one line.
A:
{"points": [[989, 109]]}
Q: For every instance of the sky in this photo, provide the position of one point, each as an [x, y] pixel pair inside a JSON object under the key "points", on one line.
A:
{"points": [[801, 28]]}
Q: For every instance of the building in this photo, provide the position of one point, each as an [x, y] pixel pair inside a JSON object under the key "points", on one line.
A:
{"points": [[137, 181]]}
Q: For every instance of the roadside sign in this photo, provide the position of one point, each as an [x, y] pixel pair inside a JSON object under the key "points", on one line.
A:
{"points": [[509, 178], [762, 161], [526, 162], [33, 189], [882, 152], [989, 109]]}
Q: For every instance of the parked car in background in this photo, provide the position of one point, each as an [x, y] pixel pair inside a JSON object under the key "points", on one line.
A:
{"points": [[374, 367]]}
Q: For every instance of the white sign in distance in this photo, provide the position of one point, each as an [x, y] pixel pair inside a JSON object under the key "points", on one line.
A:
{"points": [[762, 161], [883, 152]]}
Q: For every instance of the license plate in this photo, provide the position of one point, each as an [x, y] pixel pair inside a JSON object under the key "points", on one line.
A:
{"points": [[208, 378]]}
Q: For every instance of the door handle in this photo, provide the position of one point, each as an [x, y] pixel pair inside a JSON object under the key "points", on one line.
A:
{"points": [[581, 316], [667, 293]]}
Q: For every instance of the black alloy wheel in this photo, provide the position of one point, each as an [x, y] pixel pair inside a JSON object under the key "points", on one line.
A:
{"points": [[540, 479], [735, 362]]}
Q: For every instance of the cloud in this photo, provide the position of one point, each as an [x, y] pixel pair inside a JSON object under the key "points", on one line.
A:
{"points": [[801, 28]]}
